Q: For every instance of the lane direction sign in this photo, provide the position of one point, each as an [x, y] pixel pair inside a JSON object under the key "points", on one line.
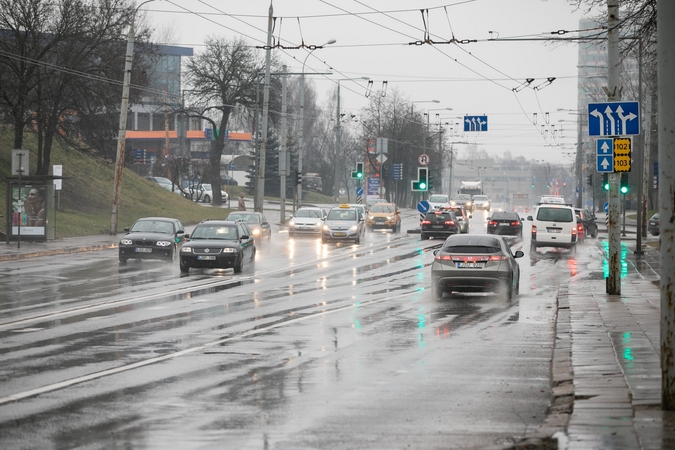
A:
{"points": [[475, 123], [605, 155], [614, 119]]}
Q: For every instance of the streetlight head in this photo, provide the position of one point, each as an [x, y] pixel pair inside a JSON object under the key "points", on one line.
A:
{"points": [[436, 101], [332, 41]]}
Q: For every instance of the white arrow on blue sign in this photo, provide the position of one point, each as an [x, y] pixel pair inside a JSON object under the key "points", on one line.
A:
{"points": [[423, 206], [605, 155], [614, 119], [475, 123]]}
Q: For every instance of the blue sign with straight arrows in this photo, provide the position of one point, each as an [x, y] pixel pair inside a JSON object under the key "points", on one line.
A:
{"points": [[605, 155]]}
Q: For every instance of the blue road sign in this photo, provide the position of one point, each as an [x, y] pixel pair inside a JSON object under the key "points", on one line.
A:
{"points": [[423, 206], [475, 123], [359, 191], [397, 171], [614, 119], [373, 186], [605, 155], [606, 207]]}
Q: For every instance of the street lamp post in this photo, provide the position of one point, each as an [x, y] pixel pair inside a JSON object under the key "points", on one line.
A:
{"points": [[301, 140], [579, 156], [338, 132], [121, 140]]}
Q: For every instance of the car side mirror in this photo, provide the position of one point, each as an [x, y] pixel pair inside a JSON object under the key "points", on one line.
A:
{"points": [[519, 254], [470, 216], [186, 236], [245, 237], [436, 252], [487, 218], [529, 217]]}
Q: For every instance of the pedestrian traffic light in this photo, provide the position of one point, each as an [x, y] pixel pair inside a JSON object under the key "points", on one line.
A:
{"points": [[298, 178], [590, 179], [358, 173], [605, 181], [422, 180], [624, 184]]}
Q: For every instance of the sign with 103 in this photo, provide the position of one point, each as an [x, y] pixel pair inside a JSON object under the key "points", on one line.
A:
{"points": [[622, 154]]}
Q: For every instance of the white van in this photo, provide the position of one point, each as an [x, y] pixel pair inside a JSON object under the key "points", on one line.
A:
{"points": [[553, 226]]}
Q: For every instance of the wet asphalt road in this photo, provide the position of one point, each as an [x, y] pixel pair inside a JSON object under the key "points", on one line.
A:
{"points": [[318, 346]]}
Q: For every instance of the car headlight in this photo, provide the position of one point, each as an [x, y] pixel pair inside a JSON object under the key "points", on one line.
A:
{"points": [[353, 228], [163, 243], [292, 223], [390, 217], [186, 249], [326, 228], [126, 242], [229, 250], [256, 232]]}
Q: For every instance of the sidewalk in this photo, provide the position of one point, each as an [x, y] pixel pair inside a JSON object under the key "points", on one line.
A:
{"points": [[606, 370], [32, 249]]}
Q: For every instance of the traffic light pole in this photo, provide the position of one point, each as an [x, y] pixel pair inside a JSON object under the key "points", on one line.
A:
{"points": [[613, 280]]}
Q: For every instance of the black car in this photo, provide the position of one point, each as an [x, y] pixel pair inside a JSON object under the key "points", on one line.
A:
{"points": [[508, 223], [257, 222], [152, 238], [439, 223], [654, 225], [218, 244], [475, 263]]}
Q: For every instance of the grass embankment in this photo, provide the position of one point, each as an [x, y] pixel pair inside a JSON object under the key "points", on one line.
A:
{"points": [[85, 201]]}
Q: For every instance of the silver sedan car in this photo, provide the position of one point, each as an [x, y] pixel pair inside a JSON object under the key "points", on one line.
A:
{"points": [[306, 220], [475, 263]]}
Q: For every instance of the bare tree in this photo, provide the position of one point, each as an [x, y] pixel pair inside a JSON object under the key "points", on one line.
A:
{"points": [[223, 76]]}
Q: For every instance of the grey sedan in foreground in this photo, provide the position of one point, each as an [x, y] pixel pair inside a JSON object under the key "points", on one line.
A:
{"points": [[475, 263]]}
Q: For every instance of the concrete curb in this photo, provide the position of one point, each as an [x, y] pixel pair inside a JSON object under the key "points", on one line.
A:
{"points": [[56, 251]]}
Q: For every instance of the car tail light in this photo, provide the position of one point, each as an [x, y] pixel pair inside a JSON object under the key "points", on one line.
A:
{"points": [[574, 231], [426, 222], [449, 222], [471, 258], [498, 258], [534, 229], [492, 222], [580, 226], [515, 224], [443, 258]]}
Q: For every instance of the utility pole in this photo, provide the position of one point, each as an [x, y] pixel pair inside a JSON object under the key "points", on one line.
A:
{"points": [[283, 153], [338, 131], [260, 192], [666, 123], [613, 281], [640, 165]]}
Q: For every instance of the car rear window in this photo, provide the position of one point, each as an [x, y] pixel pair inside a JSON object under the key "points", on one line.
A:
{"points": [[441, 216], [473, 249], [505, 216], [555, 214]]}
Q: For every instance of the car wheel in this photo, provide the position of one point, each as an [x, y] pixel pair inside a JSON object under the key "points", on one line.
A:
{"points": [[184, 268], [269, 236], [518, 286], [240, 265], [123, 260], [434, 291], [509, 289], [423, 236], [207, 199], [172, 256], [358, 239], [533, 247]]}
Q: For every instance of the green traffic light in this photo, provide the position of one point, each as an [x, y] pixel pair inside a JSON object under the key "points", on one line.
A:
{"points": [[624, 190], [423, 186], [359, 175], [606, 186]]}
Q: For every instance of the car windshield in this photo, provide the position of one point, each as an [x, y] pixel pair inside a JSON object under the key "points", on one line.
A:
{"points": [[308, 213], [438, 199], [342, 214], [474, 249], [480, 197], [217, 232], [152, 226], [382, 209], [248, 218], [555, 215]]}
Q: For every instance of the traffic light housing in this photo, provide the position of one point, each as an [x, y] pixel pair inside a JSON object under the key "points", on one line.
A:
{"points": [[421, 184], [358, 172], [298, 178], [605, 181], [624, 184], [430, 181], [385, 172], [589, 181]]}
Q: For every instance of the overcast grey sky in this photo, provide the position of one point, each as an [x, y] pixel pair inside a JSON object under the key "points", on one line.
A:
{"points": [[373, 39]]}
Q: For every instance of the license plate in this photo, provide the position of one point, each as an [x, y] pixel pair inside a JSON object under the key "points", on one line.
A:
{"points": [[553, 230], [339, 234], [469, 265], [503, 224], [206, 257], [437, 226], [143, 250]]}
